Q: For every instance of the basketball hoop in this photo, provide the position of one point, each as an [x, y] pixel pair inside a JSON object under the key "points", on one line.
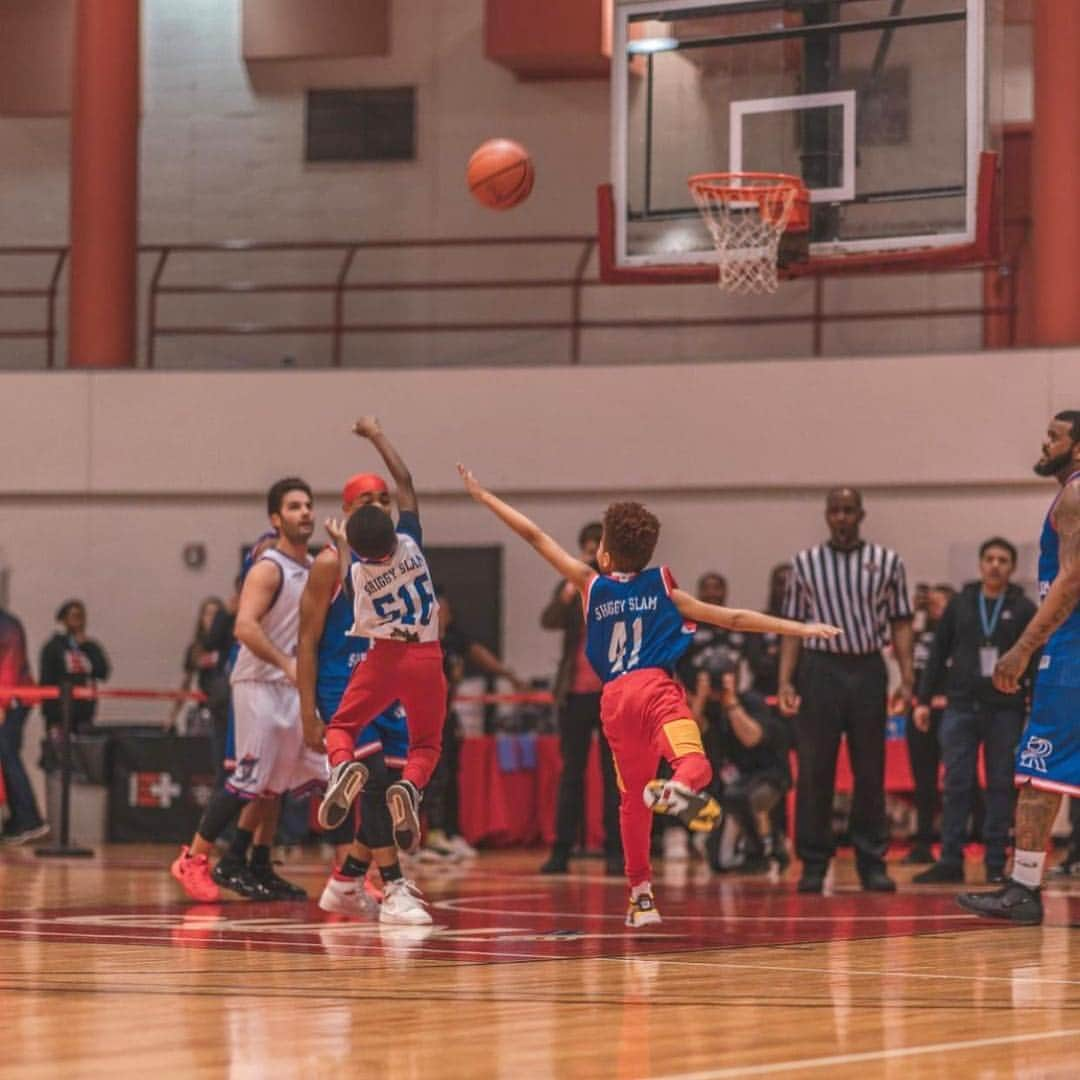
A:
{"points": [[747, 214]]}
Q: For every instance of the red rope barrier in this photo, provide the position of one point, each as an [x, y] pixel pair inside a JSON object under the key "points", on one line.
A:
{"points": [[33, 694]]}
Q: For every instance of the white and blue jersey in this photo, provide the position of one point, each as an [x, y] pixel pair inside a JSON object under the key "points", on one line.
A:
{"points": [[393, 598], [632, 623], [1049, 754], [339, 653]]}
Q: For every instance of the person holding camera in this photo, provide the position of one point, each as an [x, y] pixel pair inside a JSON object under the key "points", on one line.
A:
{"points": [[748, 749]]}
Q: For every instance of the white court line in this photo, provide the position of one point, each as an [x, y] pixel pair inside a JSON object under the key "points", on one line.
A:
{"points": [[869, 1055], [460, 905], [875, 973], [421, 950]]}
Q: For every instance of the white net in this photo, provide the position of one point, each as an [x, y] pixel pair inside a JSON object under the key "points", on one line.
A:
{"points": [[746, 215]]}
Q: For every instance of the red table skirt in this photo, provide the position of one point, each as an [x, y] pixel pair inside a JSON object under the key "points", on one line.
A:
{"points": [[501, 808]]}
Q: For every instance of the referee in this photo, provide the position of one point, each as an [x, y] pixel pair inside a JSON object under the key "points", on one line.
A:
{"points": [[841, 687]]}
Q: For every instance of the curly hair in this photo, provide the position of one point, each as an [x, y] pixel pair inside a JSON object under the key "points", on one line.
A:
{"points": [[630, 535]]}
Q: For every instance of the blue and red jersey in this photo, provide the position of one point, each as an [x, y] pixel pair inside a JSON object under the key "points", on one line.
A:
{"points": [[632, 623]]}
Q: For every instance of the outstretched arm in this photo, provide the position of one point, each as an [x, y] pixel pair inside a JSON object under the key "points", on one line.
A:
{"points": [[574, 570], [1059, 602], [367, 427], [753, 622]]}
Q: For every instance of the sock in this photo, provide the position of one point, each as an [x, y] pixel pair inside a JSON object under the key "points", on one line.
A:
{"points": [[644, 888], [238, 849], [260, 857], [391, 872], [353, 868], [1028, 868]]}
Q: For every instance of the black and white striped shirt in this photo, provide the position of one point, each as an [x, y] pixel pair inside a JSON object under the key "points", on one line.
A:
{"points": [[860, 591]]}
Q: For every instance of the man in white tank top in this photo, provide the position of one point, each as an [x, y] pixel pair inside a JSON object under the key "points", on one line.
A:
{"points": [[271, 757], [394, 606]]}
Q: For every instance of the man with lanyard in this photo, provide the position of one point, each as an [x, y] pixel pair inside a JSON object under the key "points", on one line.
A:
{"points": [[981, 623]]}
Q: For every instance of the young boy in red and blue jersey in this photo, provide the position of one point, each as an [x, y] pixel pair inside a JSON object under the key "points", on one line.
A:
{"points": [[638, 624]]}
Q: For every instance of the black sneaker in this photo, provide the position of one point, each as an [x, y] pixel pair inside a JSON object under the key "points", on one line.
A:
{"points": [[403, 801], [776, 850], [237, 877], [347, 780], [558, 862], [877, 881], [278, 886], [941, 873], [1014, 903], [919, 855]]}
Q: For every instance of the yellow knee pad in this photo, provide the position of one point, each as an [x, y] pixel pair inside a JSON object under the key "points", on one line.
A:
{"points": [[684, 737]]}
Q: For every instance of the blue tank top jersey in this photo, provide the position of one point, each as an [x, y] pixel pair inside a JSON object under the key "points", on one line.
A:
{"points": [[1060, 663], [631, 623]]}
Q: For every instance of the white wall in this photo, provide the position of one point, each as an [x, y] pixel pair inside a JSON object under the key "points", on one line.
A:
{"points": [[113, 473]]}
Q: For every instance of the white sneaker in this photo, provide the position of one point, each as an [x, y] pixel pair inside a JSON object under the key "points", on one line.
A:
{"points": [[348, 897], [403, 905], [462, 847], [641, 911], [676, 845]]}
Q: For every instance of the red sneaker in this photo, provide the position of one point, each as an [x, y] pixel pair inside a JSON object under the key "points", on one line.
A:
{"points": [[193, 873]]}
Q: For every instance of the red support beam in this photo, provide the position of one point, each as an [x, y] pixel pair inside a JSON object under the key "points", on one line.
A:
{"points": [[104, 184], [1055, 159]]}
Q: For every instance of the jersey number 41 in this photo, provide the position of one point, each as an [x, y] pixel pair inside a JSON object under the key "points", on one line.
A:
{"points": [[620, 639]]}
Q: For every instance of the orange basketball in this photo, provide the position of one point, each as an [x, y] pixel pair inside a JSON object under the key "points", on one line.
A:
{"points": [[500, 173]]}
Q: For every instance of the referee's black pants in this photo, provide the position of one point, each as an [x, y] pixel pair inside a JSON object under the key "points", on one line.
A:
{"points": [[841, 695]]}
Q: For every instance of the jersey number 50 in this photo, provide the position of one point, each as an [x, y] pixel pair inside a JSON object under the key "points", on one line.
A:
{"points": [[616, 653], [413, 594]]}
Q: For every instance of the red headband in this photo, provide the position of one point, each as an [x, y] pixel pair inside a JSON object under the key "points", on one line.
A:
{"points": [[361, 484]]}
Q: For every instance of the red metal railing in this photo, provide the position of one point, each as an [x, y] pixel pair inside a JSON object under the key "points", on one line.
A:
{"points": [[337, 287]]}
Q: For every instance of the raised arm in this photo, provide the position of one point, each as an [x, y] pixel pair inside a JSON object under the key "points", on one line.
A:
{"points": [[753, 622], [256, 597], [1059, 602], [574, 570], [367, 427], [315, 603]]}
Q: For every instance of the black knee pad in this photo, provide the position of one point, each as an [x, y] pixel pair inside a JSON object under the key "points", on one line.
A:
{"points": [[224, 808], [376, 828], [379, 778]]}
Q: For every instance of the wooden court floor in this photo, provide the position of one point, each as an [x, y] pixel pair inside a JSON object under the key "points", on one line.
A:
{"points": [[105, 971]]}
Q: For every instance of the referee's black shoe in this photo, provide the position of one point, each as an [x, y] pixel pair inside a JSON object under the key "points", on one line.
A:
{"points": [[877, 880], [1013, 902]]}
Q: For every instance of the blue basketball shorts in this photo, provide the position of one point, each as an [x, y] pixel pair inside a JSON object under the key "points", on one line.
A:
{"points": [[388, 732], [1049, 753]]}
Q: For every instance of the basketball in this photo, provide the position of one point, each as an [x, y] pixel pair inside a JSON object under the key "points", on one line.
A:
{"points": [[500, 174]]}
